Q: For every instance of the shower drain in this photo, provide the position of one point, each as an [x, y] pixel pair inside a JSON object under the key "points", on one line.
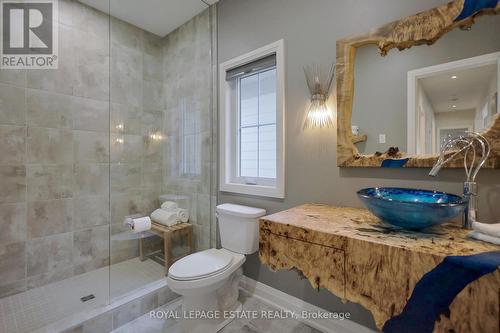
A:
{"points": [[87, 298]]}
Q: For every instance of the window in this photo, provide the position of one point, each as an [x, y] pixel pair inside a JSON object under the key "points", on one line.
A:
{"points": [[252, 104], [190, 140]]}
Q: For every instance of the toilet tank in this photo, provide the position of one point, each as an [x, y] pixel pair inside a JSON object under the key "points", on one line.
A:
{"points": [[239, 227]]}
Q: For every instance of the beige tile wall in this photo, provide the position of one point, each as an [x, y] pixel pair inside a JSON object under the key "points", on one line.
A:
{"points": [[58, 134]]}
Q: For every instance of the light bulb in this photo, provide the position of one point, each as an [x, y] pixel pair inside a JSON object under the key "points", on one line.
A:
{"points": [[319, 115]]}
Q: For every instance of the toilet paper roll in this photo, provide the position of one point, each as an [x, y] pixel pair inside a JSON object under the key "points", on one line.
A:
{"points": [[141, 224], [169, 206]]}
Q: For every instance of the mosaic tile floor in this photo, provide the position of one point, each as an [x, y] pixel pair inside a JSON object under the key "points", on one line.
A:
{"points": [[146, 324], [38, 307]]}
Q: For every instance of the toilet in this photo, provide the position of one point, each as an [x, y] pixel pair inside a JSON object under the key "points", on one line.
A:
{"points": [[208, 280]]}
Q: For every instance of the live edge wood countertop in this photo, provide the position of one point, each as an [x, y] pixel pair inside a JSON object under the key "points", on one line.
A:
{"points": [[352, 254]]}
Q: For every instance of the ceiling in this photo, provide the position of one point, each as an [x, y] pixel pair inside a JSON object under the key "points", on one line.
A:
{"points": [[465, 91], [157, 16]]}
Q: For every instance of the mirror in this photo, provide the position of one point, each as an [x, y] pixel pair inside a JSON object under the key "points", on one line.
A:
{"points": [[395, 110], [429, 93]]}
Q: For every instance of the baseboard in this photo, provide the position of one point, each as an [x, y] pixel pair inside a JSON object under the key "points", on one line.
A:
{"points": [[287, 302]]}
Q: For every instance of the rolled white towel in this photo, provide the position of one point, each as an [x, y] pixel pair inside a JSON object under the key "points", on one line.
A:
{"points": [[484, 237], [487, 229], [169, 206], [166, 218], [182, 215]]}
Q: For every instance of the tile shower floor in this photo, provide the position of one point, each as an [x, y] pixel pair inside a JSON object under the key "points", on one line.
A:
{"points": [[40, 306], [146, 324]]}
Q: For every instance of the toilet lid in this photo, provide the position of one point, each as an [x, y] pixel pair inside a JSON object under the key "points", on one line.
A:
{"points": [[200, 264]]}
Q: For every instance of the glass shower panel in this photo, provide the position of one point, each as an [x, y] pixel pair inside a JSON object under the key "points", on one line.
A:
{"points": [[188, 149], [161, 143], [136, 139], [54, 165]]}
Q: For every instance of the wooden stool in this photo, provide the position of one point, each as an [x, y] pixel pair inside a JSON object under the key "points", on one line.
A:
{"points": [[166, 233]]}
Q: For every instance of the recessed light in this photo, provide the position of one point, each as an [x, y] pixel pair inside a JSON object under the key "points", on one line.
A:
{"points": [[454, 106], [453, 77]]}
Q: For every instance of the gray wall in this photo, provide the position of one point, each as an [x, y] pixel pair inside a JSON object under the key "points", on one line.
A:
{"points": [[377, 76], [310, 29]]}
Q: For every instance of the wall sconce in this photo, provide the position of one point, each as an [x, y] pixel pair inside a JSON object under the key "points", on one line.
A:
{"points": [[319, 82], [155, 135]]}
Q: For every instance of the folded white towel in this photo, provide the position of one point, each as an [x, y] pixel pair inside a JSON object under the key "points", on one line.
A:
{"points": [[484, 237], [182, 215], [487, 229], [169, 205], [166, 218]]}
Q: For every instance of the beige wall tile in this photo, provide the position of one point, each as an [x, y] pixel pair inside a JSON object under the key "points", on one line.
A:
{"points": [[91, 147], [15, 77], [126, 119], [89, 114], [88, 19], [12, 261], [49, 253], [126, 62], [126, 35], [13, 184], [46, 109], [50, 146], [53, 275], [12, 105], [58, 80], [12, 145], [46, 182], [126, 90], [125, 176], [11, 288], [49, 217], [90, 248], [91, 179], [92, 76], [12, 223], [91, 211], [126, 148]]}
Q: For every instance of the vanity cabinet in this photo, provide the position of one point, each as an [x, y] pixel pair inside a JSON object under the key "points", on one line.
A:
{"points": [[349, 252], [324, 266]]}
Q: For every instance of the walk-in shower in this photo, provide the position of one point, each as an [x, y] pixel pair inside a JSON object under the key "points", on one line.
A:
{"points": [[127, 118]]}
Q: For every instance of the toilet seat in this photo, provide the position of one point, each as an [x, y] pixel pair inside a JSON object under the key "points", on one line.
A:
{"points": [[200, 265]]}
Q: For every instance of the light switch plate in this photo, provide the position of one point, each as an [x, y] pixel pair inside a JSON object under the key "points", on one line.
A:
{"points": [[381, 138]]}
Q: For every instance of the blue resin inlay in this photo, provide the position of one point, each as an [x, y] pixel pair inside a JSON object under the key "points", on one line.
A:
{"points": [[394, 163], [411, 208], [435, 291], [471, 7]]}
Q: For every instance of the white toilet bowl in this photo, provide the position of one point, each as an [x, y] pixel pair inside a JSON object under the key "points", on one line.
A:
{"points": [[208, 280]]}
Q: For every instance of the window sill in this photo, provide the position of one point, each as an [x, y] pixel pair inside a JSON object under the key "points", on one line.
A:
{"points": [[257, 190]]}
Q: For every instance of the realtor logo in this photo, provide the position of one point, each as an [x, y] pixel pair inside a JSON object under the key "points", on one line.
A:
{"points": [[29, 34]]}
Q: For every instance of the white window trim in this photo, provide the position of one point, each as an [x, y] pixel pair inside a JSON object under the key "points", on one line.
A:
{"points": [[226, 124]]}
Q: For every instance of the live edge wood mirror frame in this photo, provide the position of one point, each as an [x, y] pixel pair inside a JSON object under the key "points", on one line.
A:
{"points": [[423, 28]]}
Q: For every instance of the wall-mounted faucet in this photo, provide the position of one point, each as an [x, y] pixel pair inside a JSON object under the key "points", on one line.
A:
{"points": [[451, 148]]}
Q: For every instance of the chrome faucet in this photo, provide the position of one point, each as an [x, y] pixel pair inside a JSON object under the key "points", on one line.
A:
{"points": [[451, 148]]}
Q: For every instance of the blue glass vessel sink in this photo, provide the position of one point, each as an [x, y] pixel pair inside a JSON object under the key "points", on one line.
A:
{"points": [[410, 208]]}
